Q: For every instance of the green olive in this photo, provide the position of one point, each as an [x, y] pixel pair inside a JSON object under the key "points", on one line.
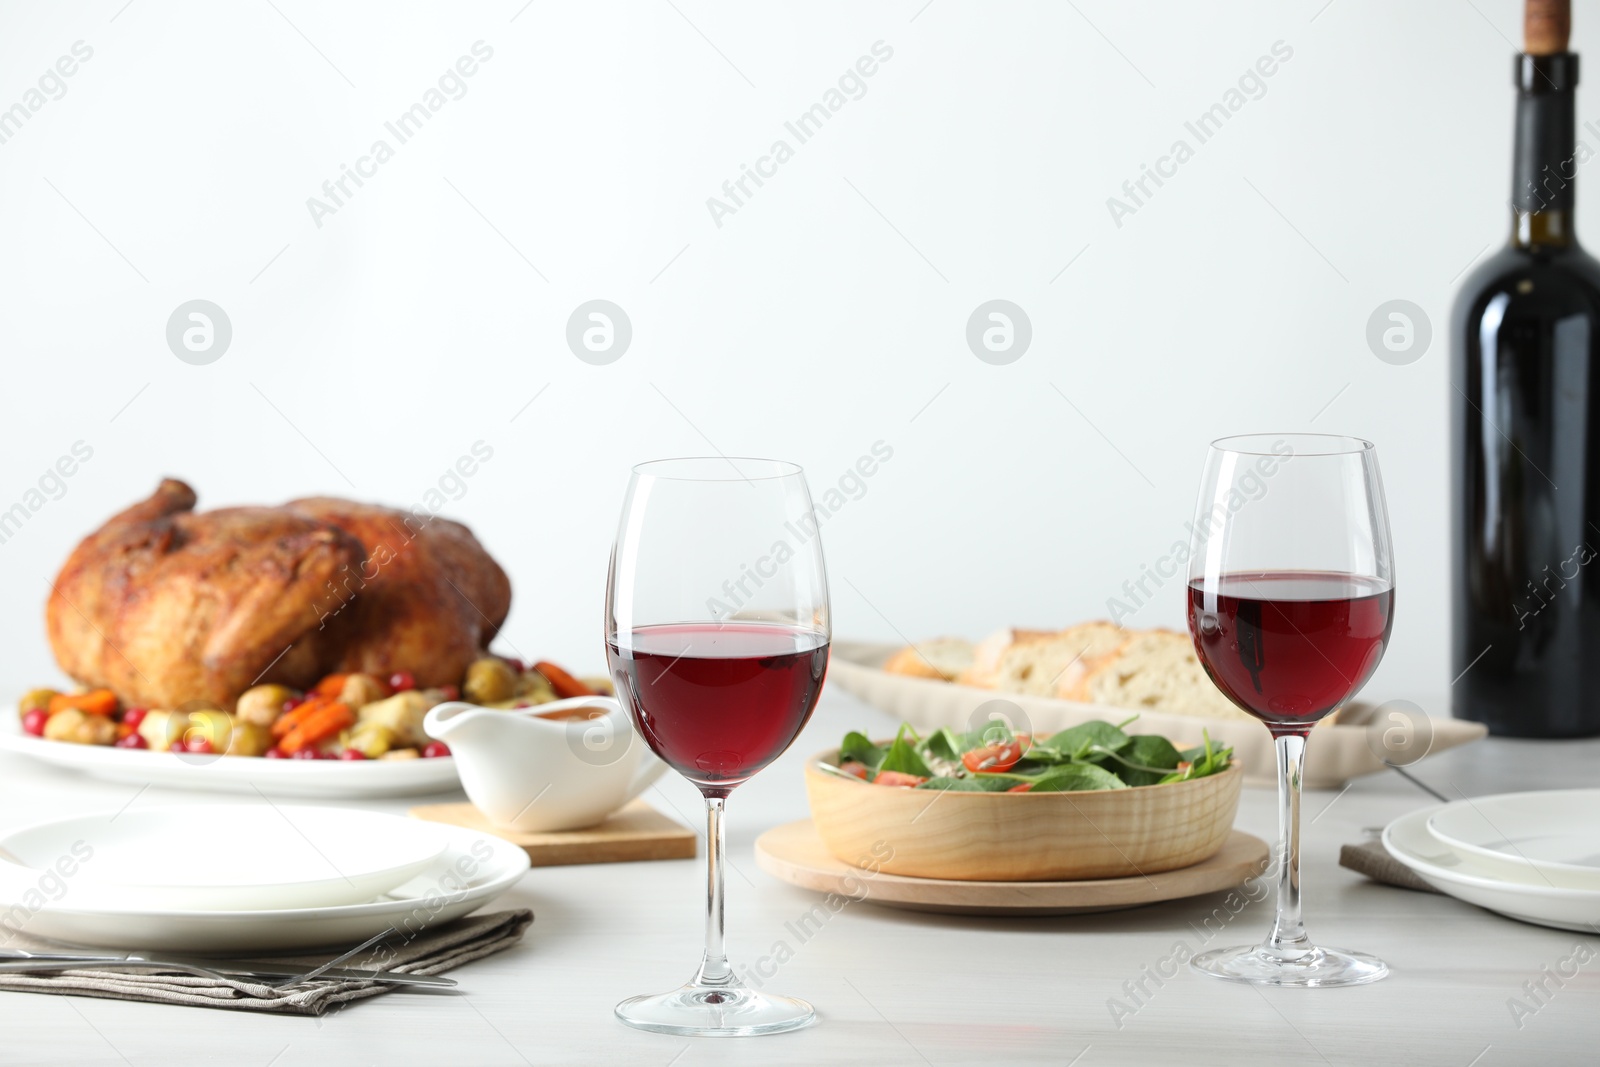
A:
{"points": [[489, 680], [35, 700], [262, 704]]}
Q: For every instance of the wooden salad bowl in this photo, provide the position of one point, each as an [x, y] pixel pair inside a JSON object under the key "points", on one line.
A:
{"points": [[1019, 837]]}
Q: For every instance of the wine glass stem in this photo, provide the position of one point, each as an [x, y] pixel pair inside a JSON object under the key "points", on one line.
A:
{"points": [[1288, 937], [714, 969]]}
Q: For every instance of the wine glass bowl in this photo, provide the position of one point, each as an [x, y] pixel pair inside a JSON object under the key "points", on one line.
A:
{"points": [[717, 635], [1291, 601]]}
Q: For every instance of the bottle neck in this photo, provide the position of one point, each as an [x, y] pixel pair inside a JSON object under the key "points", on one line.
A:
{"points": [[1544, 156]]}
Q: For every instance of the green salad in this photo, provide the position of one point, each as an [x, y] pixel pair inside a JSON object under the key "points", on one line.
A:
{"points": [[1092, 755]]}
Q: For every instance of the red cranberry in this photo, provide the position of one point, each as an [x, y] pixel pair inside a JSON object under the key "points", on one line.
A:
{"points": [[133, 717], [436, 749], [352, 754], [200, 746], [515, 664], [292, 703], [305, 753], [400, 681], [274, 753], [450, 692], [33, 722], [133, 741]]}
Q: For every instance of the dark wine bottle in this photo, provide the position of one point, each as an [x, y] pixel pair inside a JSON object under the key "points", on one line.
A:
{"points": [[1525, 433]]}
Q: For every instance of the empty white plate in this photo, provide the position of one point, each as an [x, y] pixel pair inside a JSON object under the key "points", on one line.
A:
{"points": [[474, 869], [1463, 876], [1548, 838], [218, 857]]}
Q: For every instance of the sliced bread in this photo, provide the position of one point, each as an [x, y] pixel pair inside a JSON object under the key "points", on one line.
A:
{"points": [[1158, 670], [1038, 664], [941, 659], [986, 654]]}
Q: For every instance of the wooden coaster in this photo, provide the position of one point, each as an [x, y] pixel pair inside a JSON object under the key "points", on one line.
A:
{"points": [[795, 853], [636, 832]]}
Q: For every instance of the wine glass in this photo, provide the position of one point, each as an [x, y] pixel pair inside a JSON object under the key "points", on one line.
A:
{"points": [[1291, 597], [717, 630]]}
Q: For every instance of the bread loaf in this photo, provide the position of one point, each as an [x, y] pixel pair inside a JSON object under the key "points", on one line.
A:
{"points": [[986, 654], [1158, 671], [1037, 663], [942, 659]]}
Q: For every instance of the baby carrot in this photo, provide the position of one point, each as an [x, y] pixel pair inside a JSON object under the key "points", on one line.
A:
{"points": [[322, 723], [290, 719], [94, 702], [563, 683]]}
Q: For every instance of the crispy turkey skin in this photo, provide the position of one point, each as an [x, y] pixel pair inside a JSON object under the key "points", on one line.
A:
{"points": [[165, 605]]}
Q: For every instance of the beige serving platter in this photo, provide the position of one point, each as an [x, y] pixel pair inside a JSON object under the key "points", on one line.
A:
{"points": [[1336, 751], [795, 854]]}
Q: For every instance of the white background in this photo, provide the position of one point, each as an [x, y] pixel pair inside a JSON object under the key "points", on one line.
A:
{"points": [[827, 314]]}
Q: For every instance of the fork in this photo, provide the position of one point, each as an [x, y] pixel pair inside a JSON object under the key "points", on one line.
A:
{"points": [[42, 962], [22, 961]]}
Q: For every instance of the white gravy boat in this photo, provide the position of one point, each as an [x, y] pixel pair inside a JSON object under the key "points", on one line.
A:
{"points": [[528, 771]]}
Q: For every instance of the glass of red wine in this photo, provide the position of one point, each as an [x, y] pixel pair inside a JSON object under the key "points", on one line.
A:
{"points": [[1291, 598], [717, 629]]}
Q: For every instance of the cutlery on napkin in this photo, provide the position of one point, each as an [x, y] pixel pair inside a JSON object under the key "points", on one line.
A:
{"points": [[425, 954], [34, 963]]}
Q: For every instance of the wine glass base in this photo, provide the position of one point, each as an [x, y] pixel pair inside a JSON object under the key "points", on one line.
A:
{"points": [[716, 1011], [1314, 968]]}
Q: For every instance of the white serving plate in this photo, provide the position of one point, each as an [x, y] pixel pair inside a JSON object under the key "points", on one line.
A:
{"points": [[325, 779], [1459, 875], [1335, 752], [224, 858], [473, 869], [1550, 837]]}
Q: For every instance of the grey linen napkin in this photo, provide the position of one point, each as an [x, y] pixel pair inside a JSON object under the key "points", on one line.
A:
{"points": [[1373, 860], [433, 952]]}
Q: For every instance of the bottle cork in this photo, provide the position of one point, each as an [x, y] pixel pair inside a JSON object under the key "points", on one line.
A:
{"points": [[1546, 25]]}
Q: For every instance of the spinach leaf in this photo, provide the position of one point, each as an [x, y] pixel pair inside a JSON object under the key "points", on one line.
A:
{"points": [[979, 784], [1045, 754], [1204, 760], [903, 755], [993, 732], [1076, 742], [856, 746], [1076, 777], [1147, 760], [944, 744]]}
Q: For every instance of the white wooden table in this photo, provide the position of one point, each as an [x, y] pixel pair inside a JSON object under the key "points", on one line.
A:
{"points": [[901, 988]]}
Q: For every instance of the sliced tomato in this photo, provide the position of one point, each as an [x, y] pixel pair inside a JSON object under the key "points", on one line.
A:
{"points": [[1023, 788], [1000, 756], [850, 766], [899, 778]]}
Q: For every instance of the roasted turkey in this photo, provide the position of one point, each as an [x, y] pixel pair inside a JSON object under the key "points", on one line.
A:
{"points": [[165, 605]]}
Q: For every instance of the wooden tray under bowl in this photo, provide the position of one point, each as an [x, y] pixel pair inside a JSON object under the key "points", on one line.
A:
{"points": [[1021, 837], [795, 854]]}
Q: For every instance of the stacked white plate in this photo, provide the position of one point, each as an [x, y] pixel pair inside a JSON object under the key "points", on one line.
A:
{"points": [[1529, 856], [225, 878]]}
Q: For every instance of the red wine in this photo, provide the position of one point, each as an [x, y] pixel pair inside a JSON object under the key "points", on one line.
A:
{"points": [[1525, 420], [1290, 646], [719, 702]]}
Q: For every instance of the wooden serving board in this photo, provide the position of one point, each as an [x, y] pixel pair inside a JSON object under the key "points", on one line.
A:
{"points": [[636, 832], [795, 853]]}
